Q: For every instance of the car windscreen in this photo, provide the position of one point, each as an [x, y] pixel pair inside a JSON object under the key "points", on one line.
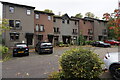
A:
{"points": [[46, 44], [21, 45]]}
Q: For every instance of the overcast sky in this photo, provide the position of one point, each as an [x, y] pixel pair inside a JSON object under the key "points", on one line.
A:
{"points": [[72, 7]]}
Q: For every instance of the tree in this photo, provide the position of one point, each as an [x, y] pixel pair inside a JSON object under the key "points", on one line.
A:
{"points": [[49, 11], [89, 14], [79, 15], [4, 25], [113, 24]]}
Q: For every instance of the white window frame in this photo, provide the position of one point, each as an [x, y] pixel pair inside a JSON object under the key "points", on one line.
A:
{"points": [[37, 27], [17, 22], [41, 28], [11, 9], [28, 11], [49, 18], [37, 16]]}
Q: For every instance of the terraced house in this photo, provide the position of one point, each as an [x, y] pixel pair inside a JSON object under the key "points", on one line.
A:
{"points": [[92, 29], [21, 19], [30, 26], [65, 29], [43, 26]]}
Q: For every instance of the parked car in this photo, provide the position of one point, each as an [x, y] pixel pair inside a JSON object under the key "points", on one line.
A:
{"points": [[112, 63], [20, 49], [100, 44], [112, 42], [44, 47]]}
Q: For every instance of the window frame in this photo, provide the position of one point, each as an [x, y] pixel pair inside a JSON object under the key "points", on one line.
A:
{"points": [[37, 16], [15, 36], [19, 24], [49, 18], [28, 12], [11, 9], [41, 27]]}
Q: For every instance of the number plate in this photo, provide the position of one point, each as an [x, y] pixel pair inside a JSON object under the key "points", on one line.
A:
{"points": [[20, 51], [47, 49]]}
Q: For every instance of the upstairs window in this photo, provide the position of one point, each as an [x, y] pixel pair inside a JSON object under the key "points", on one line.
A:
{"points": [[41, 28], [54, 20], [37, 16], [17, 23], [75, 22], [63, 21], [49, 17], [28, 12], [11, 23], [11, 9], [68, 21], [37, 27]]}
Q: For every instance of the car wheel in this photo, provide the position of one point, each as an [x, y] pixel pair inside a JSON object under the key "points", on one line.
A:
{"points": [[113, 68], [116, 44], [36, 50], [14, 55], [27, 54], [39, 52]]}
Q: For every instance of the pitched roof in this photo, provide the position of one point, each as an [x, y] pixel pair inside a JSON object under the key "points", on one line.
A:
{"points": [[43, 12], [17, 4]]}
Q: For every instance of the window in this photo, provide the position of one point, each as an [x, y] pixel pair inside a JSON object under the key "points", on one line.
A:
{"points": [[37, 16], [55, 29], [75, 23], [28, 12], [104, 31], [68, 21], [90, 32], [11, 9], [54, 20], [11, 23], [37, 27], [17, 23], [41, 28], [49, 17], [63, 21], [14, 36], [74, 31]]}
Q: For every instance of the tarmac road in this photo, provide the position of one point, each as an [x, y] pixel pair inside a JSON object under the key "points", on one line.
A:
{"points": [[40, 66]]}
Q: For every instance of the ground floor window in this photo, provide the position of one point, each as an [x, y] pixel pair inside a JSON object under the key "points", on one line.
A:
{"points": [[14, 36]]}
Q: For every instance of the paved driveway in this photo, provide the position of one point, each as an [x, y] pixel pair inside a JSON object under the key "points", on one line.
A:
{"points": [[40, 66]]}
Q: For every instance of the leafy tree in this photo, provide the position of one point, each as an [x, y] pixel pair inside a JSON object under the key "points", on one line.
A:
{"points": [[113, 24], [49, 11], [79, 15], [4, 25], [89, 14]]}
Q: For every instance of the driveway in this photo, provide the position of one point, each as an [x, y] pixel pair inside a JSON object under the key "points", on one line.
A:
{"points": [[40, 66]]}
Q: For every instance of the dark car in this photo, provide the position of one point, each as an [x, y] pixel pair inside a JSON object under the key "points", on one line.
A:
{"points": [[20, 49], [100, 44], [112, 42], [44, 47]]}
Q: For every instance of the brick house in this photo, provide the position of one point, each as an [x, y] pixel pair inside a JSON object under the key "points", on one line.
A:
{"points": [[43, 26], [92, 29], [21, 19]]}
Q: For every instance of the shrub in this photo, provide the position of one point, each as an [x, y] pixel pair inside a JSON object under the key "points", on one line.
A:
{"points": [[4, 50], [80, 63], [56, 76], [88, 42]]}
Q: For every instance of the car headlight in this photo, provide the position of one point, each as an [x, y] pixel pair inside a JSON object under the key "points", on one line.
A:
{"points": [[26, 48], [15, 50]]}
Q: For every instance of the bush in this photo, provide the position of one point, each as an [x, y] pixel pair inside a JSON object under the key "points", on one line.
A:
{"points": [[80, 63], [4, 50], [88, 42]]}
